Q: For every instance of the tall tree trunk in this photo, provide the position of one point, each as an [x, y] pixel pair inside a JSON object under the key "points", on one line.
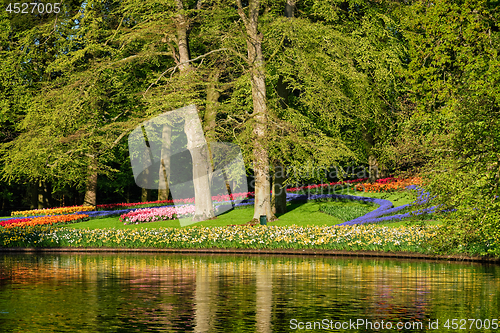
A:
{"points": [[182, 29], [43, 195], [40, 193], [49, 199], [145, 195], [290, 8], [373, 165], [262, 205], [196, 145], [213, 95], [201, 166], [373, 170], [145, 191], [33, 194], [91, 187], [166, 137], [182, 24], [279, 192]]}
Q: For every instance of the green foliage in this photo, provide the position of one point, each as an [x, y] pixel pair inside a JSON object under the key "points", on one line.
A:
{"points": [[453, 72], [345, 211]]}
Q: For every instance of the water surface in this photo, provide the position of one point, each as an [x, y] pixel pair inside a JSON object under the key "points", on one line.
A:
{"points": [[229, 293]]}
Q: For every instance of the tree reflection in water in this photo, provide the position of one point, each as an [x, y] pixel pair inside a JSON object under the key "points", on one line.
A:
{"points": [[209, 293]]}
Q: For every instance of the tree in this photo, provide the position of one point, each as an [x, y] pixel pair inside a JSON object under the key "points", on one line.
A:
{"points": [[73, 122], [25, 53], [174, 91], [453, 73], [324, 90], [260, 112]]}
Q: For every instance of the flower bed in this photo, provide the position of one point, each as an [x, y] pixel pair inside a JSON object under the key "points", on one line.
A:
{"points": [[217, 199], [53, 211], [311, 187], [359, 237], [377, 215], [8, 222], [156, 214], [388, 185], [150, 214], [61, 219]]}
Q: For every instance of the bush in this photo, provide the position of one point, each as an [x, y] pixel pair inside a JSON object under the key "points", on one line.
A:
{"points": [[345, 211]]}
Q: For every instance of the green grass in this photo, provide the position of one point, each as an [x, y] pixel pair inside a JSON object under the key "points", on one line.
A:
{"points": [[301, 214], [397, 198], [345, 210]]}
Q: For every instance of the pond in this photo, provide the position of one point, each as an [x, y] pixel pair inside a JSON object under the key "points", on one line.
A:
{"points": [[125, 292]]}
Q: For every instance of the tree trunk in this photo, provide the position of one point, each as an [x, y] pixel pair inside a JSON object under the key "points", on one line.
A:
{"points": [[211, 109], [91, 187], [145, 195], [213, 95], [290, 8], [182, 25], [163, 187], [40, 193], [197, 146], [262, 205], [373, 169], [33, 194], [49, 199], [279, 191]]}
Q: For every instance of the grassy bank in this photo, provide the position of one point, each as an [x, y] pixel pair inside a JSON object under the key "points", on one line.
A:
{"points": [[300, 214], [304, 226]]}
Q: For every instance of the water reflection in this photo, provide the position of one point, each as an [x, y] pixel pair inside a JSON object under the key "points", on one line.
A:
{"points": [[203, 293]]}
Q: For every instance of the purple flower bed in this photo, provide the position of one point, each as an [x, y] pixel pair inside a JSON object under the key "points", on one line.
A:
{"points": [[107, 213], [378, 214]]}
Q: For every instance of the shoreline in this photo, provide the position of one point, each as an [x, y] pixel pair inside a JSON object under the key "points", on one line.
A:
{"points": [[307, 252]]}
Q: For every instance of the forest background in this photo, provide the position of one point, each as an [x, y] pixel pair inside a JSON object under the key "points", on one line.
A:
{"points": [[396, 86]]}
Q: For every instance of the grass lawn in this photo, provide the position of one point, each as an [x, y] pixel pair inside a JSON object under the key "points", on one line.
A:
{"points": [[397, 198], [301, 214]]}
